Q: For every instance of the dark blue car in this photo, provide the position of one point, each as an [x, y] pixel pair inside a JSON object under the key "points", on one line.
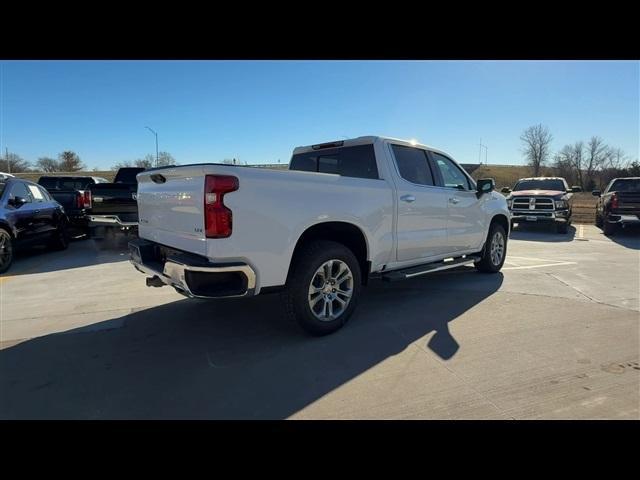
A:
{"points": [[28, 216]]}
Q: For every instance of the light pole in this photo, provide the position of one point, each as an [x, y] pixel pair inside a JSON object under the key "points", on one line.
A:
{"points": [[152, 131]]}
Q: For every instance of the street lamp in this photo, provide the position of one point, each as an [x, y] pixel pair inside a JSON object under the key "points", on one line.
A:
{"points": [[152, 131]]}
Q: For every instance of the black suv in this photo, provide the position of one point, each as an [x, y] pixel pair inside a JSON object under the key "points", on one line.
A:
{"points": [[28, 215]]}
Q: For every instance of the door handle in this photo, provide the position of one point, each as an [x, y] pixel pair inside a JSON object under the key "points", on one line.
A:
{"points": [[408, 198], [37, 211], [454, 200]]}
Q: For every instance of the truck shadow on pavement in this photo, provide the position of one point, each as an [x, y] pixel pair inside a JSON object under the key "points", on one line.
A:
{"points": [[229, 359], [542, 233], [81, 253], [628, 237]]}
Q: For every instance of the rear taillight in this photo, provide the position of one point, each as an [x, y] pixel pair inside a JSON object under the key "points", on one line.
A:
{"points": [[614, 201], [86, 199], [80, 200], [217, 217]]}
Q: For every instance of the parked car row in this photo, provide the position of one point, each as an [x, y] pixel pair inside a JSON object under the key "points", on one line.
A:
{"points": [[550, 200], [28, 216], [57, 207]]}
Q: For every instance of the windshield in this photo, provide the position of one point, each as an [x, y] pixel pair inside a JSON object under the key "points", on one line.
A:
{"points": [[2, 184], [626, 185], [540, 185]]}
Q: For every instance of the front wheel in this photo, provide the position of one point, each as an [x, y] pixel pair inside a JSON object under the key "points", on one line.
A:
{"points": [[6, 250], [562, 227], [495, 250], [323, 287]]}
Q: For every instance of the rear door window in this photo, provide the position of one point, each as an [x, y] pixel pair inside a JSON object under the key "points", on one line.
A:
{"points": [[358, 161], [413, 165], [36, 193]]}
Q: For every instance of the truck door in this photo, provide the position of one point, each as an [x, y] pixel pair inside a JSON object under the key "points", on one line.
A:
{"points": [[422, 207], [466, 222]]}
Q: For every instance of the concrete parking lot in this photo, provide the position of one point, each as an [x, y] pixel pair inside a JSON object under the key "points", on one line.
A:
{"points": [[555, 335]]}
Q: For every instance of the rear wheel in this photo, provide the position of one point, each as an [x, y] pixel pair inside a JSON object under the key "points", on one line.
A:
{"points": [[323, 287], [495, 250], [598, 220], [6, 250], [609, 228], [60, 238]]}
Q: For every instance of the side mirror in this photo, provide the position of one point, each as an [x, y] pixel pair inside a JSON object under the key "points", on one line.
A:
{"points": [[576, 189], [485, 185], [505, 190], [596, 193], [17, 202]]}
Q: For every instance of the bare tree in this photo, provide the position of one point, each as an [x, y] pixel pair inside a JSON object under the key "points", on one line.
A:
{"points": [[47, 164], [165, 159], [537, 146], [70, 162], [597, 155], [124, 164], [563, 164], [13, 163]]}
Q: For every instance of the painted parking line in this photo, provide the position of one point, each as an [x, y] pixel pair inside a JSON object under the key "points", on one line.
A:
{"points": [[581, 234], [556, 264]]}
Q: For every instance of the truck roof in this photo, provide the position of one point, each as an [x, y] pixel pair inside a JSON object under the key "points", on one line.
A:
{"points": [[364, 140], [542, 178]]}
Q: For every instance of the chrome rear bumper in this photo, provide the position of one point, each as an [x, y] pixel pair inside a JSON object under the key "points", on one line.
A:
{"points": [[194, 280]]}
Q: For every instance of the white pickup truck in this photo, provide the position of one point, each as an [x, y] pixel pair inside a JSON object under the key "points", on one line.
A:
{"points": [[343, 213]]}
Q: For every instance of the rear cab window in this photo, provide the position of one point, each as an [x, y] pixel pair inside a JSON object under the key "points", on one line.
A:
{"points": [[625, 185], [358, 161]]}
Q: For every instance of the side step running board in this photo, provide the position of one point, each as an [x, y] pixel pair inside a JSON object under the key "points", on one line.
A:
{"points": [[396, 275]]}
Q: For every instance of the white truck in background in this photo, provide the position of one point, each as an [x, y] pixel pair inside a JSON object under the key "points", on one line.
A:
{"points": [[342, 213]]}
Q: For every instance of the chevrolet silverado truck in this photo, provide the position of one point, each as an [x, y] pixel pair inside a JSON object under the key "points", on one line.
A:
{"points": [[541, 199], [72, 192], [112, 207], [618, 205], [343, 213]]}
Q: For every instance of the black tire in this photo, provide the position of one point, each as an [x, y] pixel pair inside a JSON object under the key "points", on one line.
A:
{"points": [[598, 220], [59, 238], [609, 228], [296, 298], [6, 250], [562, 227], [512, 225], [486, 264]]}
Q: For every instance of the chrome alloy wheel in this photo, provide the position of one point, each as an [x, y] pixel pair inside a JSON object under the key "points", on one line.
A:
{"points": [[497, 248], [330, 290]]}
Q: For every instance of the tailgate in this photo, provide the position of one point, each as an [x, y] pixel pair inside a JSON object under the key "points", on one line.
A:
{"points": [[66, 199], [171, 207], [628, 202], [114, 199]]}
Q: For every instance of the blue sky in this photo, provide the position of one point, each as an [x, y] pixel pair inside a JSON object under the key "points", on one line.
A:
{"points": [[258, 111]]}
